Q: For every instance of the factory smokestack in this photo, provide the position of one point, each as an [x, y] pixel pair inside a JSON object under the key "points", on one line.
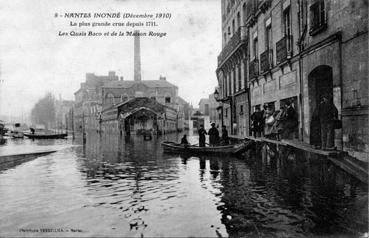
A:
{"points": [[137, 57]]}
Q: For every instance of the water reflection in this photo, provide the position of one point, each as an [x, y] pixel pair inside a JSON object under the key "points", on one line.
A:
{"points": [[144, 192]]}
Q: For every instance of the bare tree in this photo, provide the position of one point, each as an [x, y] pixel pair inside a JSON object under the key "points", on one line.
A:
{"points": [[44, 111]]}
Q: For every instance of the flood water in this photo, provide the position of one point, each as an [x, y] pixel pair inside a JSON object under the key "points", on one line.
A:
{"points": [[128, 187]]}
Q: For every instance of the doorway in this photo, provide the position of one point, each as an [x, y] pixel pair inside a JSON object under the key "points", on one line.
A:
{"points": [[320, 83]]}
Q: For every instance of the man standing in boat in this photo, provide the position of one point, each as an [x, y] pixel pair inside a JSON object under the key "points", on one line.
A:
{"points": [[225, 138], [202, 133], [213, 135]]}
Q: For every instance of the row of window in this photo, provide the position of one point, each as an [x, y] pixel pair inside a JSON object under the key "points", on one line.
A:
{"points": [[317, 23], [287, 32], [110, 99], [230, 86]]}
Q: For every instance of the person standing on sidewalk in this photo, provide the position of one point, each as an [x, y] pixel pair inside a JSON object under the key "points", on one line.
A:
{"points": [[328, 113], [290, 122], [263, 115], [256, 118]]}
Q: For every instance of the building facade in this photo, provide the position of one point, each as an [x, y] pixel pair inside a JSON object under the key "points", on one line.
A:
{"points": [[161, 91], [274, 60], [334, 55], [232, 68], [298, 51], [138, 115], [210, 107], [63, 109], [100, 99], [88, 101]]}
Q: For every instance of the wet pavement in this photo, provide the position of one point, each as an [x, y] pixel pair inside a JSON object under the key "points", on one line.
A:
{"points": [[117, 186]]}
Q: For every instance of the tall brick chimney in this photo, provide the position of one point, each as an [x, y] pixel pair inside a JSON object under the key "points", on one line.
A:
{"points": [[137, 56]]}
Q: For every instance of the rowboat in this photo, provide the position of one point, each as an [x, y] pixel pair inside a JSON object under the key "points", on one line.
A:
{"points": [[173, 147], [46, 136]]}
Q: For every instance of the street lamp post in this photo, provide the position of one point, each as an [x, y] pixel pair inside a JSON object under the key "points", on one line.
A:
{"points": [[216, 97]]}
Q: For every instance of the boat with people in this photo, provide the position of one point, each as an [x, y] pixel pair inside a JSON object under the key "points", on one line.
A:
{"points": [[236, 149], [42, 133], [46, 136]]}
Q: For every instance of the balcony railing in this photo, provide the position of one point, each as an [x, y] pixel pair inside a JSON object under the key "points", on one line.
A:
{"points": [[266, 61], [239, 36], [254, 68], [250, 9], [263, 4], [284, 49]]}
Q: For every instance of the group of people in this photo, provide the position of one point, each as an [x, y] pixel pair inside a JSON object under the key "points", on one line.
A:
{"points": [[283, 123], [279, 124], [214, 138]]}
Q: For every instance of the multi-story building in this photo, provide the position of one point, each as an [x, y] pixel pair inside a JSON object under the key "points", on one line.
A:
{"points": [[232, 68], [88, 101], [62, 113], [214, 113], [204, 106], [333, 44], [274, 54], [298, 51], [123, 92], [209, 107]]}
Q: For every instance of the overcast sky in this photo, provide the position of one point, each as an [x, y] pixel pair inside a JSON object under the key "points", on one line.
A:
{"points": [[35, 60]]}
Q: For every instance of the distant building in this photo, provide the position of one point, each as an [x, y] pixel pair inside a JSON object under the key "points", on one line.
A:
{"points": [[137, 115], [88, 100], [204, 106], [210, 107], [118, 92], [62, 113], [214, 112]]}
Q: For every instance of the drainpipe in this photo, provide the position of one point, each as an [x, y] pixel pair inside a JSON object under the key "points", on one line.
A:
{"points": [[341, 81], [300, 47]]}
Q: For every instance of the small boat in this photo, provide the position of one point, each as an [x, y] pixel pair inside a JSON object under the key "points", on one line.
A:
{"points": [[169, 146], [46, 136], [39, 132]]}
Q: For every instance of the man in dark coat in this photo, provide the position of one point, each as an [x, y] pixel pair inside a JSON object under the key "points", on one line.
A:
{"points": [[262, 117], [213, 135], [202, 133], [291, 121], [184, 140], [328, 113], [225, 138], [256, 118]]}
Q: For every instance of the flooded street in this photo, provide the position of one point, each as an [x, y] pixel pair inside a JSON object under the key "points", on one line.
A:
{"points": [[116, 186]]}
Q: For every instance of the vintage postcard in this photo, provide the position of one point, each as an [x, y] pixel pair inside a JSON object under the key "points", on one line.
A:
{"points": [[184, 118]]}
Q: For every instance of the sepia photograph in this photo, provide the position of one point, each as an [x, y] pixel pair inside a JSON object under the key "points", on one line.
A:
{"points": [[184, 118]]}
